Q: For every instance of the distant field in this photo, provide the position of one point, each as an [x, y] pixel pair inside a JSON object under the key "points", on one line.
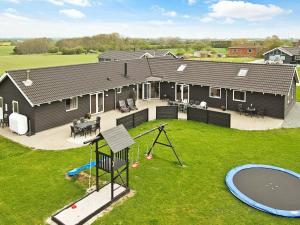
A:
{"points": [[220, 50], [13, 62], [226, 59], [6, 50]]}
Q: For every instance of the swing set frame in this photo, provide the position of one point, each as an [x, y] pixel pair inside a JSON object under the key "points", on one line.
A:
{"points": [[117, 164], [160, 128]]}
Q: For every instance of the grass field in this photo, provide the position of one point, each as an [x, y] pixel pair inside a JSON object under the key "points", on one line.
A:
{"points": [[6, 50], [13, 62], [33, 61], [33, 184]]}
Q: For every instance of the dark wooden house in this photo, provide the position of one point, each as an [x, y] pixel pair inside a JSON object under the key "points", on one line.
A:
{"points": [[54, 96], [287, 55]]}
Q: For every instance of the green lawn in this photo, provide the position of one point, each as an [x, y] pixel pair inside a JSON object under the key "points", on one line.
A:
{"points": [[14, 62], [226, 59], [33, 184], [220, 50], [6, 50]]}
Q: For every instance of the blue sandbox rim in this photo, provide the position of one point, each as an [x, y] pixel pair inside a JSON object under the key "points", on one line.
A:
{"points": [[234, 190]]}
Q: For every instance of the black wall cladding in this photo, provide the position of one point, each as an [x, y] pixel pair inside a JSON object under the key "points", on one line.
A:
{"points": [[167, 112], [135, 119]]}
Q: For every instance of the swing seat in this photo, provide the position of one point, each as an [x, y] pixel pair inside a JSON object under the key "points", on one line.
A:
{"points": [[149, 157], [135, 165]]}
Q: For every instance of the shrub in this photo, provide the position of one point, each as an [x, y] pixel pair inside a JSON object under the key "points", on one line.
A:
{"points": [[72, 51], [53, 50]]}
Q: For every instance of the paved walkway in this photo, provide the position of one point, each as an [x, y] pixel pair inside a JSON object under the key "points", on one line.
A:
{"points": [[58, 138], [293, 118]]}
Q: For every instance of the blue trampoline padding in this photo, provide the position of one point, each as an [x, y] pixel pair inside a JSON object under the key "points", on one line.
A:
{"points": [[234, 190], [82, 168]]}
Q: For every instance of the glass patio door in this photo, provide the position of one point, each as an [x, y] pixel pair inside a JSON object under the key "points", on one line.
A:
{"points": [[97, 103], [155, 89], [100, 102], [182, 92], [146, 91]]}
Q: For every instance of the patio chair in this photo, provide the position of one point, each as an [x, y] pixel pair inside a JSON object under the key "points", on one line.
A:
{"points": [[241, 109], [131, 104], [123, 107], [75, 131], [261, 112], [197, 103], [97, 125], [75, 122], [5, 121]]}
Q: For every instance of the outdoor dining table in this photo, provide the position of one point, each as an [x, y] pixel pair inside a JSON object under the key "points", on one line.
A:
{"points": [[85, 125], [251, 111]]}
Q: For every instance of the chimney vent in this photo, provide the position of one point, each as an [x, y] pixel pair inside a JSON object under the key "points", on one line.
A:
{"points": [[28, 82]]}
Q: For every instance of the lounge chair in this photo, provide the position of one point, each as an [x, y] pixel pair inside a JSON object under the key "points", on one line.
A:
{"points": [[123, 107], [131, 104]]}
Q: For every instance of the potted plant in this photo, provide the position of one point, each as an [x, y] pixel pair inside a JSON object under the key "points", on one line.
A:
{"points": [[223, 107]]}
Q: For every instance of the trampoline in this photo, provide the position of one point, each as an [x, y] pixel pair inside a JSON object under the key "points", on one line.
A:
{"points": [[268, 188]]}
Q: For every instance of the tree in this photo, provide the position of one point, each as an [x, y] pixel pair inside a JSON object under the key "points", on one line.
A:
{"points": [[33, 46], [272, 42]]}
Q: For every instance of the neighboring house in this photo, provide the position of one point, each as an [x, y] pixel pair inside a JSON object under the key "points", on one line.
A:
{"points": [[203, 54], [244, 51], [139, 54], [54, 96], [288, 55]]}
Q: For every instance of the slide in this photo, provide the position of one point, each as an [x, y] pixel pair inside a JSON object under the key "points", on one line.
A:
{"points": [[82, 168]]}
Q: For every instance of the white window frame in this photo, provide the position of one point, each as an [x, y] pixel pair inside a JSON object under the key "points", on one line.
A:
{"points": [[119, 90], [217, 97], [238, 100], [72, 109], [1, 106], [297, 57], [15, 102]]}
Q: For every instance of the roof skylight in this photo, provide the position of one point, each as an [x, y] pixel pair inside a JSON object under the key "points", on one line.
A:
{"points": [[181, 68], [243, 72]]}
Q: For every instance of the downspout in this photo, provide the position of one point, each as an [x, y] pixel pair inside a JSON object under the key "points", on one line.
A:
{"points": [[226, 99], [115, 98]]}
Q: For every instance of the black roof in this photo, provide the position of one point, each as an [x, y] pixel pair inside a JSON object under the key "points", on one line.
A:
{"points": [[273, 79], [117, 138], [128, 55], [63, 82]]}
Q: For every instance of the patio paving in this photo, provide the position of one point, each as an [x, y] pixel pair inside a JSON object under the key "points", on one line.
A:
{"points": [[293, 118], [59, 138]]}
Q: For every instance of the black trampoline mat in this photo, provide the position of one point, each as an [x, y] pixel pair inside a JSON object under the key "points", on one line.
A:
{"points": [[272, 188]]}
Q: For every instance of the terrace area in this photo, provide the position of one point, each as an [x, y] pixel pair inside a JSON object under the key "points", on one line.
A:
{"points": [[59, 138]]}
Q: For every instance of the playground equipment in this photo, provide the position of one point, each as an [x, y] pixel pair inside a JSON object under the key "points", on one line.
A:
{"points": [[114, 162], [267, 188], [135, 158]]}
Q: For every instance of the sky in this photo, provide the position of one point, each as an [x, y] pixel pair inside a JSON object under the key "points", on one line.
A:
{"points": [[191, 19]]}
